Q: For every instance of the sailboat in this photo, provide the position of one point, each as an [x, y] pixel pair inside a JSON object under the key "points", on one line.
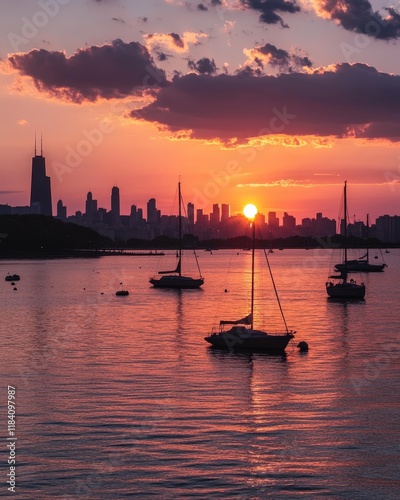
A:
{"points": [[345, 289], [242, 336], [175, 279], [362, 264]]}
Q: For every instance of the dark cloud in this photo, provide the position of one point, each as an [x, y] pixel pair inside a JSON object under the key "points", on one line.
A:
{"points": [[269, 9], [249, 71], [110, 71], [216, 2], [177, 40], [162, 56], [118, 20], [201, 6], [171, 38], [358, 16], [347, 100], [203, 66], [280, 58]]}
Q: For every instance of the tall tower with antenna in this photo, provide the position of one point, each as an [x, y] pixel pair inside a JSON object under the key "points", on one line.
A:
{"points": [[40, 184]]}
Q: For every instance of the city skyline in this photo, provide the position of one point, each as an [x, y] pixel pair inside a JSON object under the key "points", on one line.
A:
{"points": [[41, 202], [231, 95], [218, 224]]}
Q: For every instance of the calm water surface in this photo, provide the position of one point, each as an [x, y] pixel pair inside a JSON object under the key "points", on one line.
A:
{"points": [[121, 397]]}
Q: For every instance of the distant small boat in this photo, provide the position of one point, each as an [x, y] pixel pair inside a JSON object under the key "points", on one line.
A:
{"points": [[387, 251], [12, 277], [361, 265], [122, 292]]}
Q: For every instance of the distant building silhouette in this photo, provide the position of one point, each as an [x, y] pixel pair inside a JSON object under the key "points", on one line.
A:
{"points": [[215, 215], [133, 216], [273, 220], [151, 211], [91, 209], [190, 214], [289, 222], [115, 206], [61, 211], [225, 212], [40, 185]]}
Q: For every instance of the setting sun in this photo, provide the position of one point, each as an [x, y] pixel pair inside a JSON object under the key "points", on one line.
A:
{"points": [[250, 211]]}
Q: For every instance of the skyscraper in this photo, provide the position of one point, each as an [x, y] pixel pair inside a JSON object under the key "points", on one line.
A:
{"points": [[151, 211], [215, 215], [115, 208], [225, 212], [273, 220], [40, 184], [190, 214], [91, 209], [61, 211]]}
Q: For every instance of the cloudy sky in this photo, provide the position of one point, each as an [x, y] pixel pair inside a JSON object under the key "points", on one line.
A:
{"points": [[275, 102]]}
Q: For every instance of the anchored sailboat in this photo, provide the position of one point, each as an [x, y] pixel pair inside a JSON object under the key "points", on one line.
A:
{"points": [[345, 289], [175, 279], [362, 265], [242, 335]]}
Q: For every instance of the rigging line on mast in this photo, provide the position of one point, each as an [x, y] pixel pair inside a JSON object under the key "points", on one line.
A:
{"points": [[189, 229], [273, 282]]}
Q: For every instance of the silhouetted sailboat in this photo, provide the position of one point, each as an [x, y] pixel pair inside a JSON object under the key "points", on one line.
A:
{"points": [[242, 335], [362, 265], [175, 279], [345, 289]]}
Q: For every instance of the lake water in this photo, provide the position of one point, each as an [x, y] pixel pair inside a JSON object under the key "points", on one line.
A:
{"points": [[121, 397]]}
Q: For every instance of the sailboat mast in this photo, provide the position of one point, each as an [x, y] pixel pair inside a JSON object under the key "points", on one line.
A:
{"points": [[179, 227], [252, 271], [367, 237], [345, 227]]}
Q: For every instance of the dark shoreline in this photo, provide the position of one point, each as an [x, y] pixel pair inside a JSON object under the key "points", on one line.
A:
{"points": [[78, 254]]}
